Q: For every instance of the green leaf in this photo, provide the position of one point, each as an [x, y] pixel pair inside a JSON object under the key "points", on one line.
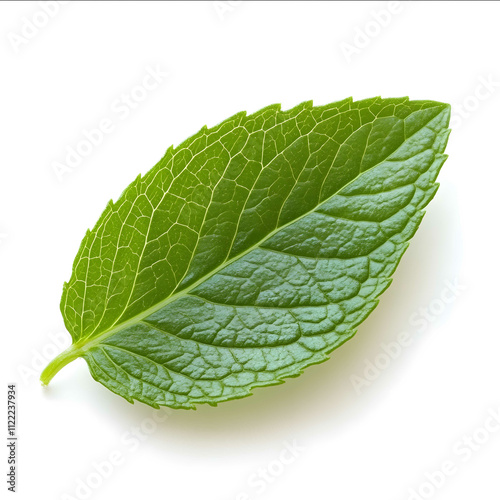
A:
{"points": [[252, 250]]}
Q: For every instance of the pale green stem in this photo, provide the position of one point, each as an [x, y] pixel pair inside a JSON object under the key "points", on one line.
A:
{"points": [[59, 362]]}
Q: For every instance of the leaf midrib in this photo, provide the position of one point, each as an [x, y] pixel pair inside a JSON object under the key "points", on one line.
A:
{"points": [[84, 345]]}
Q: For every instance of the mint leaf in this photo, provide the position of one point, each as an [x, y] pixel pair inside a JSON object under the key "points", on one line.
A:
{"points": [[252, 250]]}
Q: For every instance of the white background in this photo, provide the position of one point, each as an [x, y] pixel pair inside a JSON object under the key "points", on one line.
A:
{"points": [[377, 442]]}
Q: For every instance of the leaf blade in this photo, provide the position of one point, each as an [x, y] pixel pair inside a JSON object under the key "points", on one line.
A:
{"points": [[320, 191]]}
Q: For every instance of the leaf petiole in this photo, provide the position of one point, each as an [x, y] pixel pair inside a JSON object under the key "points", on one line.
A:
{"points": [[59, 362]]}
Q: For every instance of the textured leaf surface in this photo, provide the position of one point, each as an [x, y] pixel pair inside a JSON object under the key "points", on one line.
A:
{"points": [[253, 249]]}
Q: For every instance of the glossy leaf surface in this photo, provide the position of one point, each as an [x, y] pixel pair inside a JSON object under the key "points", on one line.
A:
{"points": [[251, 250]]}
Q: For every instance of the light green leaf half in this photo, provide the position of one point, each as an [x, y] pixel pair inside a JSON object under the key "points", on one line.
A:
{"points": [[252, 250]]}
